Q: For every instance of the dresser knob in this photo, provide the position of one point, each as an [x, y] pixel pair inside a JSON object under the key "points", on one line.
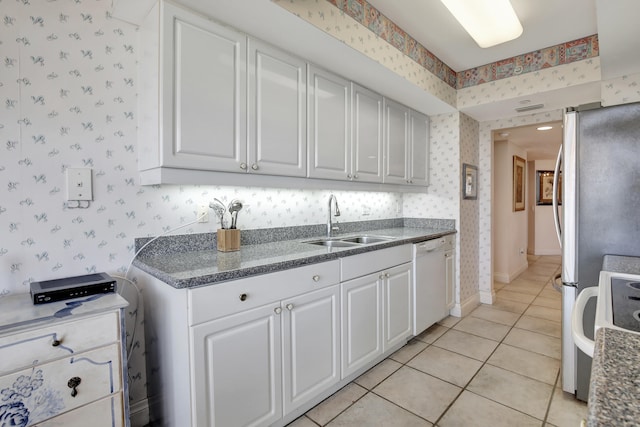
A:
{"points": [[289, 306], [243, 166], [243, 297], [277, 310], [316, 278], [254, 166], [73, 383]]}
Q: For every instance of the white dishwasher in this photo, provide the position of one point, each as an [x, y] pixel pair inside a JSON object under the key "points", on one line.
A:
{"points": [[429, 287]]}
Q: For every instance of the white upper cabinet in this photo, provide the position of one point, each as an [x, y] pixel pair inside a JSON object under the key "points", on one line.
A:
{"points": [[366, 135], [226, 103], [418, 160], [406, 136], [277, 111], [203, 93], [396, 142], [329, 148]]}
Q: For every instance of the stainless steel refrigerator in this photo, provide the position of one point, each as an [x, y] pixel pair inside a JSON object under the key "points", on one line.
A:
{"points": [[600, 211]]}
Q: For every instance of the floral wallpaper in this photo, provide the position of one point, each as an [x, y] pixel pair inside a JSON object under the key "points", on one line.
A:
{"points": [[469, 214], [564, 53], [623, 90]]}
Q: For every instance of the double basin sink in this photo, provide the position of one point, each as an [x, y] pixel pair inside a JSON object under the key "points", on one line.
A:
{"points": [[346, 242]]}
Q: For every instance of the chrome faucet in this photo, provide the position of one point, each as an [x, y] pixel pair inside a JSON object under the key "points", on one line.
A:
{"points": [[330, 227]]}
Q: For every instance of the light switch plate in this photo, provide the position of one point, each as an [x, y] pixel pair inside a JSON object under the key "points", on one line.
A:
{"points": [[79, 186]]}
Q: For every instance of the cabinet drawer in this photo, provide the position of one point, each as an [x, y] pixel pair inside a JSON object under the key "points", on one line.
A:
{"points": [[42, 392], [23, 349], [214, 301], [103, 413], [370, 262]]}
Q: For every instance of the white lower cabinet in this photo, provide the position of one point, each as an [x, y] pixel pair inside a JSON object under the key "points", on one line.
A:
{"points": [[396, 286], [450, 270]]}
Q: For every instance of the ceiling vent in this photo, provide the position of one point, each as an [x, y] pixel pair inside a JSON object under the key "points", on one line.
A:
{"points": [[529, 108]]}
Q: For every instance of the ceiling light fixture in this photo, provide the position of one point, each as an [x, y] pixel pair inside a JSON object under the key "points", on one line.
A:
{"points": [[545, 127], [488, 22]]}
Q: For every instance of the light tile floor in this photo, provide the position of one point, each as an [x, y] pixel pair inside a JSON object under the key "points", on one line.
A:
{"points": [[499, 366]]}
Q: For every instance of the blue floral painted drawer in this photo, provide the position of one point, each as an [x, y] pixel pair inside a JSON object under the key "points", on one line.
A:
{"points": [[41, 392]]}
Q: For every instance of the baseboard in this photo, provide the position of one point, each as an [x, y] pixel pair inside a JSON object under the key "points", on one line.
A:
{"points": [[548, 252], [487, 297], [139, 413], [466, 307], [508, 277]]}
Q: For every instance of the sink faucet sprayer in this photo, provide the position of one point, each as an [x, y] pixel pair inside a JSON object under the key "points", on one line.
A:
{"points": [[330, 227]]}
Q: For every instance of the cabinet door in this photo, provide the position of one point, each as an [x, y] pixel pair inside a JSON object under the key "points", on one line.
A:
{"points": [[397, 303], [311, 338], [277, 112], [361, 301], [329, 150], [396, 142], [419, 149], [450, 277], [204, 93], [366, 136], [237, 369]]}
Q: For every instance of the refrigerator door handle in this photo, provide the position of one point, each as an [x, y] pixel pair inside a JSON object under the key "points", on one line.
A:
{"points": [[556, 210]]}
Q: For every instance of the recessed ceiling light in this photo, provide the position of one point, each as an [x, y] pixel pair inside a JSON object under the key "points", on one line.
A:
{"points": [[545, 127], [488, 22]]}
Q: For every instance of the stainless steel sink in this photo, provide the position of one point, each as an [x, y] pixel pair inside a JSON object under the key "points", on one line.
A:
{"points": [[366, 240], [332, 243]]}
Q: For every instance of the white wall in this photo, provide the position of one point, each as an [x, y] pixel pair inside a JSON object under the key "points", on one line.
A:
{"points": [[510, 235], [546, 241]]}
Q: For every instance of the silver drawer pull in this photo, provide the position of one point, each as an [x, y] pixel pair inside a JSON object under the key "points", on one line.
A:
{"points": [[316, 278], [243, 297], [289, 306], [277, 310], [73, 383]]}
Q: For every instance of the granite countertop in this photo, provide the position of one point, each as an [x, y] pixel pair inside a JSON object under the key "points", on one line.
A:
{"points": [[190, 268], [615, 379]]}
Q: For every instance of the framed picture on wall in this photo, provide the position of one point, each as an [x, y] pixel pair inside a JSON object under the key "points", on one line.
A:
{"points": [[469, 182], [544, 186], [519, 165]]}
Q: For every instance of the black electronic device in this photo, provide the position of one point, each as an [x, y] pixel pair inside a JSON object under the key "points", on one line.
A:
{"points": [[72, 287]]}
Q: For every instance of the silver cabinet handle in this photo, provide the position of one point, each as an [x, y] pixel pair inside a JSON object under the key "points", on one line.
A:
{"points": [[289, 306], [386, 275], [316, 278], [349, 176], [381, 276], [254, 166], [355, 176], [243, 166], [277, 310]]}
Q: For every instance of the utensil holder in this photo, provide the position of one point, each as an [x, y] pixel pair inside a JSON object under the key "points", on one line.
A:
{"points": [[228, 240]]}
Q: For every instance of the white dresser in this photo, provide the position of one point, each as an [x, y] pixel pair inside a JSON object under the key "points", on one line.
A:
{"points": [[63, 363]]}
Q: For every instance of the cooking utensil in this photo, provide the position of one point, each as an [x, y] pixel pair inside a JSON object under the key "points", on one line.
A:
{"points": [[234, 207], [219, 209]]}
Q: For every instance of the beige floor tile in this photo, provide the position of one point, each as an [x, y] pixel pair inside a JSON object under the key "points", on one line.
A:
{"points": [[483, 328], [512, 390], [378, 373], [523, 362], [534, 276], [548, 302], [302, 422], [432, 334], [491, 314], [544, 313], [507, 305], [551, 294], [374, 411], [472, 410], [407, 352], [541, 326], [449, 321], [508, 294], [566, 410], [334, 405], [524, 287], [422, 394], [466, 344], [446, 365], [532, 341]]}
